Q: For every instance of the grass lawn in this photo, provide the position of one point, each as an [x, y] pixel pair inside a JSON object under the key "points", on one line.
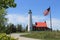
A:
{"points": [[46, 35]]}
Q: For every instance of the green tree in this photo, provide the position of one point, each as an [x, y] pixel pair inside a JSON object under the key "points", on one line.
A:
{"points": [[26, 27], [4, 4], [7, 3], [19, 28], [11, 28], [3, 19]]}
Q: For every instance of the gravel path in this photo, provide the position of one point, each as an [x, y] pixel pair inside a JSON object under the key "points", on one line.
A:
{"points": [[17, 35]]}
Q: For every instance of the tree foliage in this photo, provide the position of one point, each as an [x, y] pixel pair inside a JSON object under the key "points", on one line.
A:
{"points": [[19, 28], [11, 28], [7, 3], [4, 4], [3, 19]]}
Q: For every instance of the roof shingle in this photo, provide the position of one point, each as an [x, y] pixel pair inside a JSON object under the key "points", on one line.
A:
{"points": [[41, 24]]}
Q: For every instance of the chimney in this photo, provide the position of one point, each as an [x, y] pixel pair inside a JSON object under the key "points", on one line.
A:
{"points": [[45, 21]]}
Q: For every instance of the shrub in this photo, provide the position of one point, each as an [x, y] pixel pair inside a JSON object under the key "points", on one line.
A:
{"points": [[3, 36]]}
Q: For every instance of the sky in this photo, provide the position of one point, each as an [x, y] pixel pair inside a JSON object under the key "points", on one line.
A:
{"points": [[19, 15]]}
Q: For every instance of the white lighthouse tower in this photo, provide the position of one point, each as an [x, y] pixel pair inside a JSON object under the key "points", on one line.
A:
{"points": [[29, 21]]}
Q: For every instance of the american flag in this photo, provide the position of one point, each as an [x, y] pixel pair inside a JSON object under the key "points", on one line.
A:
{"points": [[46, 12]]}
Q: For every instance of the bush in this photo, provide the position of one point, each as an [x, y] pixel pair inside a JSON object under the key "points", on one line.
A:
{"points": [[3, 36]]}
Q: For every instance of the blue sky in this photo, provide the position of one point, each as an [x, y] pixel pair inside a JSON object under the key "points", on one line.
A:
{"points": [[19, 15]]}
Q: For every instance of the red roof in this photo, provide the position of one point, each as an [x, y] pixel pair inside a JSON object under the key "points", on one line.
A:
{"points": [[41, 24]]}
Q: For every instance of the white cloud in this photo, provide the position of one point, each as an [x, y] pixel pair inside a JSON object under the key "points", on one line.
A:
{"points": [[16, 18], [38, 18], [23, 19], [55, 23]]}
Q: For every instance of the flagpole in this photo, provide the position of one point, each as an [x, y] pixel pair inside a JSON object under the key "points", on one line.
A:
{"points": [[50, 19]]}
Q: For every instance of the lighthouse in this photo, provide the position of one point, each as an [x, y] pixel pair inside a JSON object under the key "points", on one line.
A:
{"points": [[29, 21]]}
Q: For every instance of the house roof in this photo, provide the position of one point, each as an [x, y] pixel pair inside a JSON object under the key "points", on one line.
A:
{"points": [[40, 24]]}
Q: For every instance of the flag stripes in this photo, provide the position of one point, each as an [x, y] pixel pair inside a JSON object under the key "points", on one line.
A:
{"points": [[46, 12]]}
